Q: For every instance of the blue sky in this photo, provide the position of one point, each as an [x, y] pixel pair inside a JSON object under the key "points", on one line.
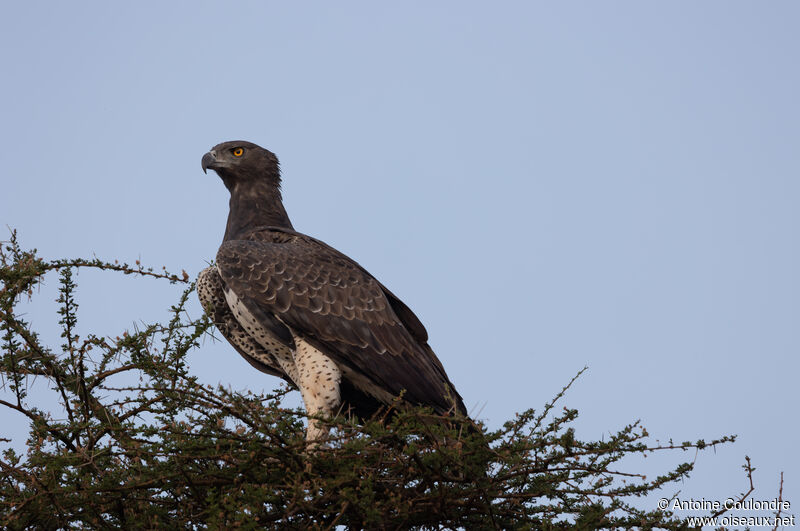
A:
{"points": [[547, 185]]}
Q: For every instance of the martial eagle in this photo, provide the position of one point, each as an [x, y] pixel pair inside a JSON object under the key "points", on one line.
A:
{"points": [[298, 309]]}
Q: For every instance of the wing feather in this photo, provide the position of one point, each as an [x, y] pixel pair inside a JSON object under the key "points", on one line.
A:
{"points": [[339, 307]]}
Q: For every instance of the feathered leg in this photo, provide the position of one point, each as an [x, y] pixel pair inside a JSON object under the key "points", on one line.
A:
{"points": [[319, 379]]}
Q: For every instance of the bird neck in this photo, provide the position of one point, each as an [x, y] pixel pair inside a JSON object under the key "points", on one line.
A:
{"points": [[255, 206]]}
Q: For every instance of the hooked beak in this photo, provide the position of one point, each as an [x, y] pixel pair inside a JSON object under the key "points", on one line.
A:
{"points": [[209, 161]]}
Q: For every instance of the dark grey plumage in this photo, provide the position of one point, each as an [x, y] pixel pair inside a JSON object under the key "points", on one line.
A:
{"points": [[275, 290]]}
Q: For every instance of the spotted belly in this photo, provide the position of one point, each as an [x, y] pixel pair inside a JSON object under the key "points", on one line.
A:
{"points": [[238, 326]]}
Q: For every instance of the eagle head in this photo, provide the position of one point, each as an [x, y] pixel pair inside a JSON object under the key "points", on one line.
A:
{"points": [[238, 160]]}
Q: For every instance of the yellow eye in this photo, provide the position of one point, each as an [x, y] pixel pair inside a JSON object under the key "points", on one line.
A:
{"points": [[237, 152]]}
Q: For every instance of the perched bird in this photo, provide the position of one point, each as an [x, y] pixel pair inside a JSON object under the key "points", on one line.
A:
{"points": [[298, 309]]}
